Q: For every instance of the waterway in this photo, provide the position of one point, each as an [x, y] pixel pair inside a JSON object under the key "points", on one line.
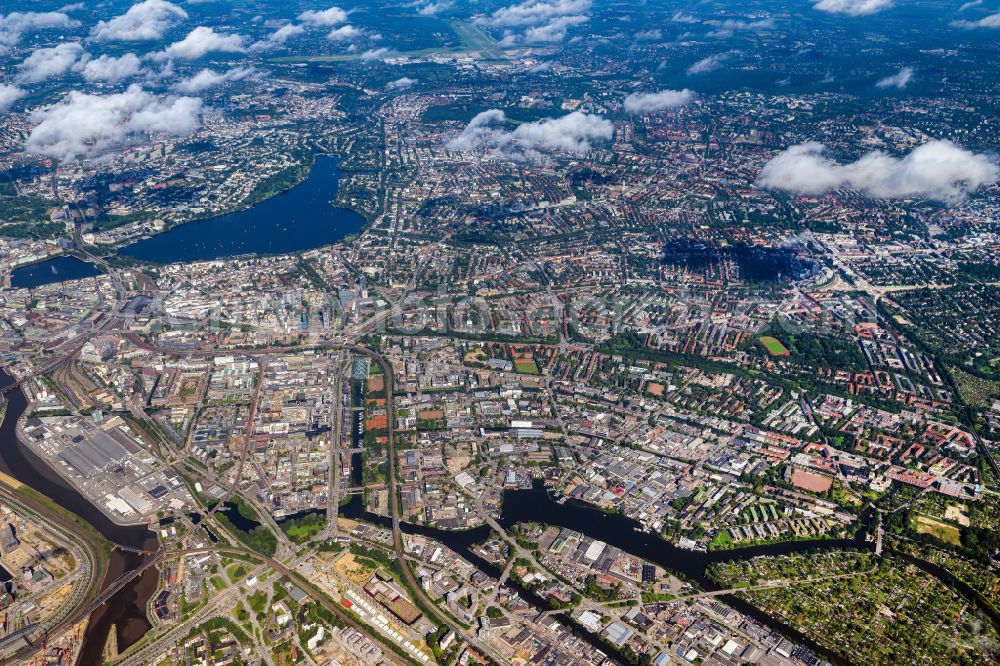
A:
{"points": [[536, 505], [126, 610], [301, 218], [58, 269]]}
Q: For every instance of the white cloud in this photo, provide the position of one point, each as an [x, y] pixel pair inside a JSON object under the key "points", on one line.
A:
{"points": [[899, 80], [200, 42], [324, 17], [46, 63], [647, 35], [729, 27], [8, 95], [991, 21], [434, 8], [554, 30], [709, 64], [286, 32], [970, 5], [681, 17], [112, 70], [374, 54], [278, 38], [853, 7], [658, 101], [938, 170], [575, 133], [15, 24], [207, 78], [345, 33], [143, 21], [539, 20], [533, 12], [401, 83], [82, 125]]}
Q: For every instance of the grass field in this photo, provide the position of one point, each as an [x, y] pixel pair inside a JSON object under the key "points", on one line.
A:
{"points": [[474, 39], [721, 540], [527, 367], [937, 529], [774, 346], [304, 532]]}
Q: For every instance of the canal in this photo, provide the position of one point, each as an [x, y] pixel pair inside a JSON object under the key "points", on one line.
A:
{"points": [[535, 505]]}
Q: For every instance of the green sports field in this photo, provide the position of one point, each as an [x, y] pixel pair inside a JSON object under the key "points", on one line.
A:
{"points": [[774, 346]]}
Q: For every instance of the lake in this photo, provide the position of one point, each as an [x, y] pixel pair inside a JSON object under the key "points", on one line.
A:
{"points": [[301, 218], [57, 269]]}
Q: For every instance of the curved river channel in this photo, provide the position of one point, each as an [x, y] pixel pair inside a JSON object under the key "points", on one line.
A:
{"points": [[126, 610]]}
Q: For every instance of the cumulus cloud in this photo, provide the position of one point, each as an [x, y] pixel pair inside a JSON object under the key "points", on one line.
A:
{"points": [[729, 27], [207, 78], [111, 69], [576, 132], [200, 42], [374, 54], [401, 83], [709, 64], [285, 32], [324, 17], [81, 125], [658, 101], [899, 80], [853, 7], [46, 63], [143, 21], [681, 17], [533, 12], [991, 21], [434, 8], [937, 170], [278, 38], [553, 31], [8, 95], [649, 35], [15, 24], [345, 33], [539, 20]]}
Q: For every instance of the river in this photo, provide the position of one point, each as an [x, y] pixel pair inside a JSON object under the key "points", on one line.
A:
{"points": [[126, 610], [536, 505]]}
